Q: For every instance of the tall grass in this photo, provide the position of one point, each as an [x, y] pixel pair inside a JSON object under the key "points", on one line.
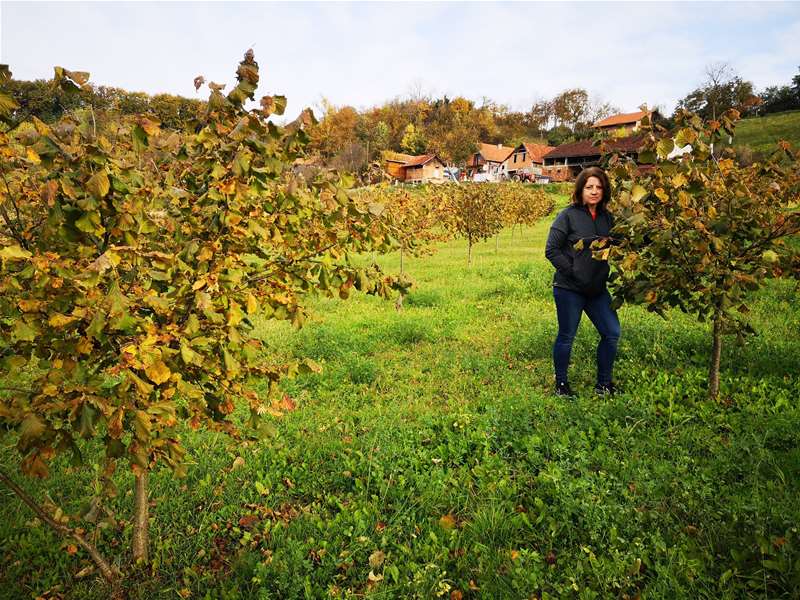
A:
{"points": [[430, 458]]}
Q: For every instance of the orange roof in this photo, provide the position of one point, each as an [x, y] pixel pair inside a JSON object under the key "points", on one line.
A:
{"points": [[494, 152], [537, 151], [418, 161], [399, 157], [622, 119]]}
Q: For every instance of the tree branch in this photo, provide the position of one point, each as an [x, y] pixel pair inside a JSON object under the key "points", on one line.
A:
{"points": [[108, 572]]}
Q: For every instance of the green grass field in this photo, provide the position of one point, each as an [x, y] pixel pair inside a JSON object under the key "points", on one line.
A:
{"points": [[429, 460], [761, 134]]}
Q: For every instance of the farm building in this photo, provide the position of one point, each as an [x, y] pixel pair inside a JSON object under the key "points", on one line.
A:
{"points": [[486, 164], [527, 158], [564, 162], [427, 168], [624, 124]]}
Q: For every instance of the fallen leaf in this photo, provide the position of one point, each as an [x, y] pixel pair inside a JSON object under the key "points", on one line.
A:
{"points": [[376, 559], [238, 463], [248, 521], [448, 521]]}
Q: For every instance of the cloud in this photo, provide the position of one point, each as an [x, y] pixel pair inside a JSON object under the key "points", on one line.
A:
{"points": [[363, 54]]}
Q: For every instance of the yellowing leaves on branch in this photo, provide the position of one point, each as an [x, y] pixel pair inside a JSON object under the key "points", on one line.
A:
{"points": [[701, 233], [151, 253]]}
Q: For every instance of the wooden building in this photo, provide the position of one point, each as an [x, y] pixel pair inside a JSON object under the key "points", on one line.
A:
{"points": [[564, 162], [526, 158], [427, 168]]}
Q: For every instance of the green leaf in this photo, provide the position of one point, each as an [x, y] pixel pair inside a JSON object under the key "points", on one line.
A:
{"points": [[90, 223], [88, 417], [231, 364], [22, 332], [139, 138], [647, 157], [664, 147]]}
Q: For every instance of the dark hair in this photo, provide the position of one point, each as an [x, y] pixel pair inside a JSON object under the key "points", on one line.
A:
{"points": [[580, 183]]}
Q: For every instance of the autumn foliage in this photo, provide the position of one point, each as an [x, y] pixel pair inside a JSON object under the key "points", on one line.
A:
{"points": [[701, 233], [134, 261]]}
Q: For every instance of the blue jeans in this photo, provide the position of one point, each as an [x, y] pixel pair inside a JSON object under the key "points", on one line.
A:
{"points": [[569, 306]]}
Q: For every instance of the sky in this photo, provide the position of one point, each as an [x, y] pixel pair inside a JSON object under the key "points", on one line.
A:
{"points": [[365, 53]]}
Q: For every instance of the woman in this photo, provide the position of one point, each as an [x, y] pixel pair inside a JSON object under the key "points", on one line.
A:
{"points": [[579, 284]]}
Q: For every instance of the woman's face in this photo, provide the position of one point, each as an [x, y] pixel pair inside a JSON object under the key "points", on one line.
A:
{"points": [[592, 192]]}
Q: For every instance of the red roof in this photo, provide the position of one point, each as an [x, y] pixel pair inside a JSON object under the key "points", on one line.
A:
{"points": [[536, 151], [587, 148], [622, 119]]}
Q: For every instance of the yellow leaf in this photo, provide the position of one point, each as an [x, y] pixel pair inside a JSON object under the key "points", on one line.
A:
{"points": [[84, 346], [158, 372], [32, 156], [638, 192], [98, 184], [252, 304], [199, 284], [59, 320], [30, 305], [679, 180], [238, 463], [144, 388], [235, 315], [49, 390]]}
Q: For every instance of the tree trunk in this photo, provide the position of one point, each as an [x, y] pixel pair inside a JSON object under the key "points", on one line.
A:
{"points": [[469, 253], [141, 537], [716, 352], [401, 261], [109, 574]]}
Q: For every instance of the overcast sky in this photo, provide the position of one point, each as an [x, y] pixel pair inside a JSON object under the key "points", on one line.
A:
{"points": [[363, 54]]}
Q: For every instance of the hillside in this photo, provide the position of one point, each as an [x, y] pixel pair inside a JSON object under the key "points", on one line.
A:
{"points": [[762, 133]]}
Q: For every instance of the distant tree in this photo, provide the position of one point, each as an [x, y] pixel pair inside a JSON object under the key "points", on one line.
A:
{"points": [[559, 135], [722, 89], [571, 107], [777, 99], [413, 140], [541, 115]]}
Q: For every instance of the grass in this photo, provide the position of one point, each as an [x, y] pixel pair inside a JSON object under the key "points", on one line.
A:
{"points": [[762, 134], [429, 459]]}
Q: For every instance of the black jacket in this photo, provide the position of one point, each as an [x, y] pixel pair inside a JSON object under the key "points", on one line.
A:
{"points": [[577, 270]]}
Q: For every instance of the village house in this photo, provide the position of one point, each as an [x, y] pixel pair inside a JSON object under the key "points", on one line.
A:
{"points": [[624, 124], [564, 162], [527, 159], [486, 164], [427, 168]]}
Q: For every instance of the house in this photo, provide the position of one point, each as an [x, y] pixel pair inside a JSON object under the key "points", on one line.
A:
{"points": [[564, 162], [527, 158], [624, 124], [427, 168], [486, 163]]}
